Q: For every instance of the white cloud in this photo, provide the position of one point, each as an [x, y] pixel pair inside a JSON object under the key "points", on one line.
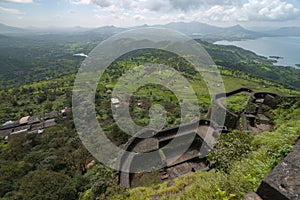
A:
{"points": [[186, 5], [117, 4], [216, 10], [78, 2], [135, 12], [10, 11], [270, 10], [139, 17], [221, 13], [162, 5], [254, 10], [19, 1]]}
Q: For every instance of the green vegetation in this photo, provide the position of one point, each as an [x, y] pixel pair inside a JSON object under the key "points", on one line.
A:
{"points": [[37, 75], [36, 98], [27, 59], [237, 103], [243, 172], [53, 166], [240, 160], [43, 96], [238, 59], [229, 148]]}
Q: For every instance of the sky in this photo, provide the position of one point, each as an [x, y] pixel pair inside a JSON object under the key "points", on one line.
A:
{"points": [[126, 13]]}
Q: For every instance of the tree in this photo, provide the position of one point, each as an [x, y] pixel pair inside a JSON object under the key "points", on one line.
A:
{"points": [[47, 185]]}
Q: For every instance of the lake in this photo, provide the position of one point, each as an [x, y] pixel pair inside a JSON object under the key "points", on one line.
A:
{"points": [[286, 47]]}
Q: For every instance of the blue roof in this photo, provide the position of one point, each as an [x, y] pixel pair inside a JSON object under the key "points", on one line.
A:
{"points": [[8, 123]]}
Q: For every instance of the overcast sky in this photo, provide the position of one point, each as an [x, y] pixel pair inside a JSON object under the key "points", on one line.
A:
{"points": [[125, 13]]}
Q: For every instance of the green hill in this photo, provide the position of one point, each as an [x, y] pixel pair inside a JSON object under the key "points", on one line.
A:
{"points": [[26, 59], [38, 73]]}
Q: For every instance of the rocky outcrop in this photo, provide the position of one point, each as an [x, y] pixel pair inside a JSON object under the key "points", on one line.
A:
{"points": [[252, 196], [284, 181]]}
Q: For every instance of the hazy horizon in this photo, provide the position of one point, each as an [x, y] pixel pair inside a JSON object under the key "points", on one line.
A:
{"points": [[254, 28]]}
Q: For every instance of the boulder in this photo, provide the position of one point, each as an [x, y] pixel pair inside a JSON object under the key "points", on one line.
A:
{"points": [[284, 181], [252, 196]]}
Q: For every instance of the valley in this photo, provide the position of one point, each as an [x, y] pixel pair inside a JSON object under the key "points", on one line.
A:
{"points": [[37, 74]]}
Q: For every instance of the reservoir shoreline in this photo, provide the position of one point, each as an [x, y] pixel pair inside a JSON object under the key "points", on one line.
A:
{"points": [[287, 49]]}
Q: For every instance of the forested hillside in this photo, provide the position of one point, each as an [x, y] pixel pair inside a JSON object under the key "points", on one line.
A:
{"points": [[26, 59], [37, 76], [239, 59]]}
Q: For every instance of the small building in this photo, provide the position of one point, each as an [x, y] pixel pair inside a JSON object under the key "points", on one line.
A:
{"points": [[80, 55], [8, 123], [115, 101], [24, 120]]}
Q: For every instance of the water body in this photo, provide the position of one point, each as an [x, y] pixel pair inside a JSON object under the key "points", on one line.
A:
{"points": [[286, 47]]}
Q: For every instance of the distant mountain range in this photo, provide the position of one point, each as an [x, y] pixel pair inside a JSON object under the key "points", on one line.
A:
{"points": [[8, 30], [285, 31], [201, 30], [194, 29]]}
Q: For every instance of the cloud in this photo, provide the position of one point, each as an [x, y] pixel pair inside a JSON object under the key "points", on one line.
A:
{"points": [[157, 5], [103, 3], [270, 10], [19, 1], [222, 13], [232, 11], [254, 10], [10, 11], [78, 2], [118, 4], [186, 5], [139, 17], [163, 5]]}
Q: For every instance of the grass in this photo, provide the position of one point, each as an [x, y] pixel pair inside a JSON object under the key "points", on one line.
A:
{"points": [[244, 175], [237, 103]]}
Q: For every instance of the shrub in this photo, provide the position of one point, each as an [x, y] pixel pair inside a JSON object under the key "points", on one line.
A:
{"points": [[47, 185], [230, 147]]}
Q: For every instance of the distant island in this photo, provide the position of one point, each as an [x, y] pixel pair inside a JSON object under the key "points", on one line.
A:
{"points": [[276, 57], [298, 65]]}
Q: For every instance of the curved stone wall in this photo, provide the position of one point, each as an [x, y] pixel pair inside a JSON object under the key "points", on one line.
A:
{"points": [[270, 99]]}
